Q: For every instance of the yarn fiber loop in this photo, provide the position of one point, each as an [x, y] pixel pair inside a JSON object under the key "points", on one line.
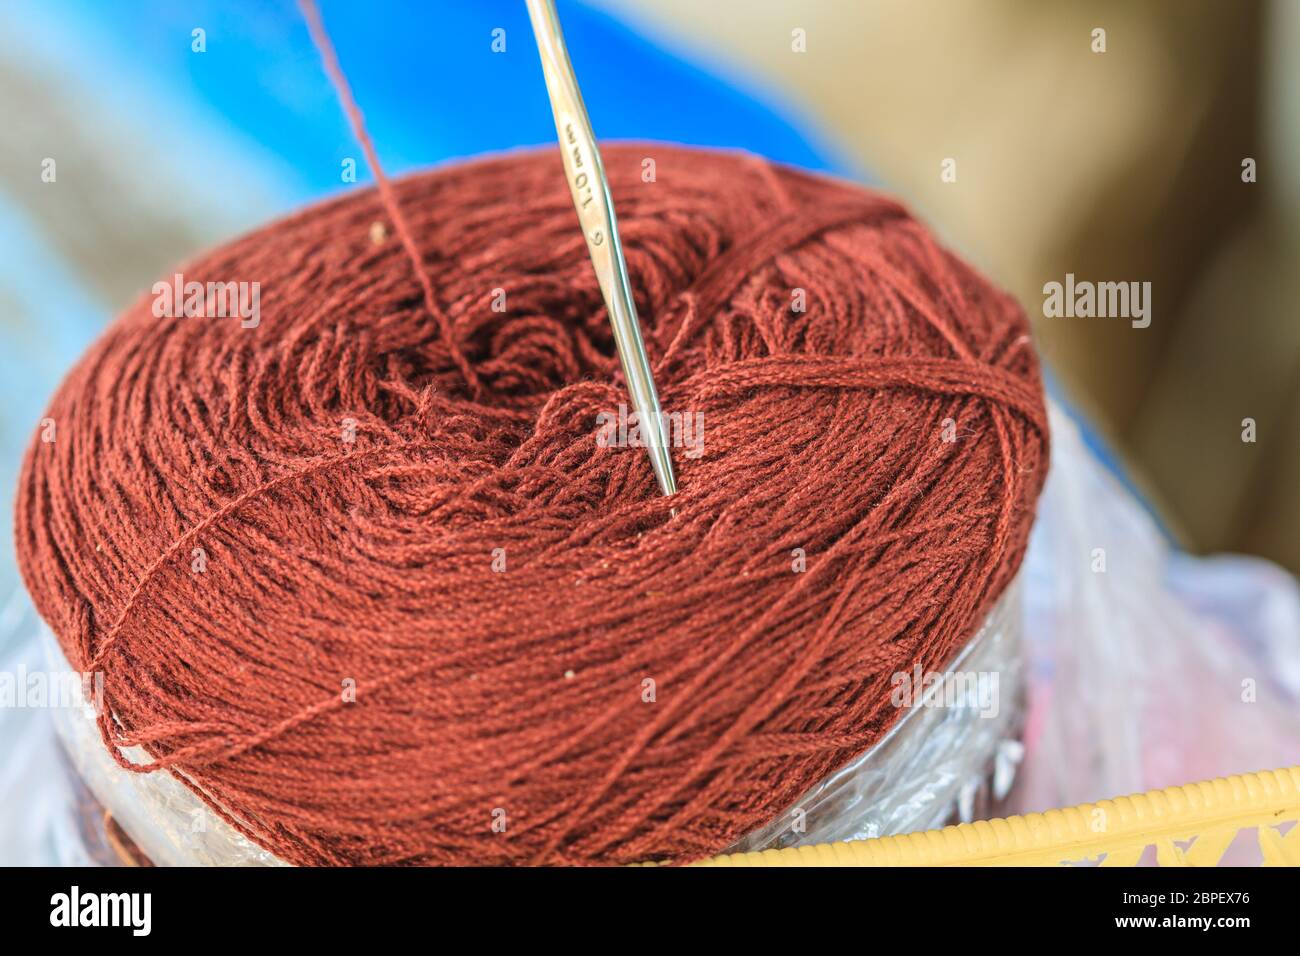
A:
{"points": [[375, 608]]}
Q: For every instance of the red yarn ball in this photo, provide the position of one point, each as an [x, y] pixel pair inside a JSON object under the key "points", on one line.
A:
{"points": [[238, 524]]}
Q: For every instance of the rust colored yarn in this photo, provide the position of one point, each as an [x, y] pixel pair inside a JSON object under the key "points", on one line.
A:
{"points": [[523, 690]]}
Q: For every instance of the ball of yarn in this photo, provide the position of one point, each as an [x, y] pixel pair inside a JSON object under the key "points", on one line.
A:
{"points": [[365, 579]]}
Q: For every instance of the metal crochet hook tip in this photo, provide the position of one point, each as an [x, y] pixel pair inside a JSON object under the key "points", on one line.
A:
{"points": [[591, 198]]}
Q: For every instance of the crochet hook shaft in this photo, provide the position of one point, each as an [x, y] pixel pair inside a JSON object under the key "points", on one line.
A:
{"points": [[591, 198]]}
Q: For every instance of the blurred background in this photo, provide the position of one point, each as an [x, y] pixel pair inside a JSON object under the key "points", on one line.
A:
{"points": [[176, 125]]}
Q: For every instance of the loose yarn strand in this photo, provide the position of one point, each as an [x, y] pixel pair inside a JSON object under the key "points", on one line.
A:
{"points": [[330, 61]]}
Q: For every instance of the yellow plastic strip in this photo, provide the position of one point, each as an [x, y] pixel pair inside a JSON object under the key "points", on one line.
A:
{"points": [[1114, 832]]}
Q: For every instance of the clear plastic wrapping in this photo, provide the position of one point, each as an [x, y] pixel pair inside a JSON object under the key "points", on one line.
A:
{"points": [[1146, 668], [165, 820], [954, 748]]}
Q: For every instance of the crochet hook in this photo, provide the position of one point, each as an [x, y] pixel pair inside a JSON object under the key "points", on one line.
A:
{"points": [[591, 198]]}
